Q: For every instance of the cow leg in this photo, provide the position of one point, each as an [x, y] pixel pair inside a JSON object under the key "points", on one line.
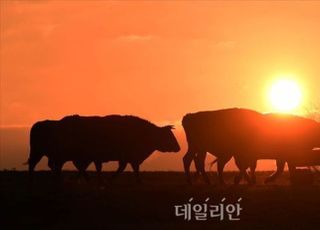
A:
{"points": [[50, 163], [83, 170], [121, 168], [57, 168], [253, 167], [187, 159], [33, 161], [221, 162], [242, 166], [82, 167], [135, 166], [197, 172], [241, 174], [292, 171], [98, 165], [280, 169], [199, 160], [78, 167]]}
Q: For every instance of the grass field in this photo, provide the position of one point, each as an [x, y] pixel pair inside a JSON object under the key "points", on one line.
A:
{"points": [[78, 204]]}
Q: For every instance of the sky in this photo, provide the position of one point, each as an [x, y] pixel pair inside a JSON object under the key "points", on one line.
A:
{"points": [[155, 59]]}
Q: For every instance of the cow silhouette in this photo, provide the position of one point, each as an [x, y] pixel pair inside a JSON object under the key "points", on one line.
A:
{"points": [[285, 138], [221, 133], [249, 136], [126, 139]]}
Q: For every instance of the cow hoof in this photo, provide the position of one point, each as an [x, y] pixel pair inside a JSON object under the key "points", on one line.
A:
{"points": [[236, 180]]}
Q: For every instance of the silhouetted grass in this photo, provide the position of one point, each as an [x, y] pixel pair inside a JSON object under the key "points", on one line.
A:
{"points": [[78, 204]]}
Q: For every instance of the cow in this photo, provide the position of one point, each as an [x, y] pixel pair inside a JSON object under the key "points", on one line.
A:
{"points": [[221, 133], [285, 138], [126, 139], [248, 136]]}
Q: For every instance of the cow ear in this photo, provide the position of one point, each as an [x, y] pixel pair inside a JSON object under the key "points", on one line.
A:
{"points": [[169, 127]]}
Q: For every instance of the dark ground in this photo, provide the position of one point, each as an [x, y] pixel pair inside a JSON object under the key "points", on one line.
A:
{"points": [[78, 204]]}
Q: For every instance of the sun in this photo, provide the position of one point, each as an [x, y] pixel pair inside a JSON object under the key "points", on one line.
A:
{"points": [[285, 95]]}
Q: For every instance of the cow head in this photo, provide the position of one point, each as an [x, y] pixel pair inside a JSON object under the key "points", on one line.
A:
{"points": [[166, 140]]}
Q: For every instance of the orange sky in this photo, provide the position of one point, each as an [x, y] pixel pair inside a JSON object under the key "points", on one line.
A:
{"points": [[158, 60]]}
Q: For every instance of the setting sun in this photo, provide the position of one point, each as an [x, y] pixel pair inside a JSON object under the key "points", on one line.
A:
{"points": [[285, 95]]}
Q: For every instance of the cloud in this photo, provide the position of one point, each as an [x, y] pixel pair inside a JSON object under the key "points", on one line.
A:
{"points": [[135, 37]]}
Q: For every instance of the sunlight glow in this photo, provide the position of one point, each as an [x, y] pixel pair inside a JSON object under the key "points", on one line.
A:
{"points": [[285, 95]]}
